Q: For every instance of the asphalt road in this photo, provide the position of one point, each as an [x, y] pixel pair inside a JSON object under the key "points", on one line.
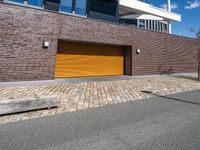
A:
{"points": [[161, 123]]}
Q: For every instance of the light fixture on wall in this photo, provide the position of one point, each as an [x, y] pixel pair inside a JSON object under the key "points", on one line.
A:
{"points": [[45, 44], [138, 51]]}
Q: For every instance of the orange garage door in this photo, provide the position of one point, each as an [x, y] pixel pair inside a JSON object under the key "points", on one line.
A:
{"points": [[75, 60]]}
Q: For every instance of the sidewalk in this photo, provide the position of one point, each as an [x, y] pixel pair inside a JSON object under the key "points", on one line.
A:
{"points": [[90, 93]]}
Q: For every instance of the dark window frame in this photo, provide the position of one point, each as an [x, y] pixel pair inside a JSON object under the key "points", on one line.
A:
{"points": [[73, 7], [95, 11]]}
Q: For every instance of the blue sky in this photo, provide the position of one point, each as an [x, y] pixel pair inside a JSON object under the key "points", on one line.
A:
{"points": [[190, 11]]}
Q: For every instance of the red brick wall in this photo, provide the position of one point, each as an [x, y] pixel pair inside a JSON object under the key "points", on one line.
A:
{"points": [[23, 30], [163, 53]]}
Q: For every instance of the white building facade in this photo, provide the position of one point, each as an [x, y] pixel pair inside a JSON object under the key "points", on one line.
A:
{"points": [[143, 15]]}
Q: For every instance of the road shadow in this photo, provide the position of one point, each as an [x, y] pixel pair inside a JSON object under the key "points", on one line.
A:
{"points": [[170, 98]]}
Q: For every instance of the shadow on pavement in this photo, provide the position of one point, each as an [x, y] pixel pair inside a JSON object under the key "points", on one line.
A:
{"points": [[170, 98]]}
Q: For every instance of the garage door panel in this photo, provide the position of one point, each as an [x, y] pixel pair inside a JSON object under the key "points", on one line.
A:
{"points": [[75, 60]]}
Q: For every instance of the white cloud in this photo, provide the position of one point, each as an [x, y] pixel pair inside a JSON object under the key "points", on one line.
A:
{"points": [[173, 6], [192, 4]]}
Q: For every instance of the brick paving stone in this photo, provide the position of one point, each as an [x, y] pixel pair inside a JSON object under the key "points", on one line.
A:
{"points": [[78, 96]]}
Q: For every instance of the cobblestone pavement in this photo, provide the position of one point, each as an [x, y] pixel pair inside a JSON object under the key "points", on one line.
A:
{"points": [[78, 96]]}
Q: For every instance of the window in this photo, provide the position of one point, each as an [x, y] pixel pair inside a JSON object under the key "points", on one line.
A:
{"points": [[165, 27], [156, 25], [77, 6], [80, 7], [52, 5], [38, 3], [108, 7], [153, 25], [128, 21], [18, 1], [150, 24], [161, 27], [147, 24], [66, 6], [141, 23]]}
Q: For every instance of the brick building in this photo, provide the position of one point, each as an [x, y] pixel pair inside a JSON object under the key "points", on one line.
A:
{"points": [[46, 43]]}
